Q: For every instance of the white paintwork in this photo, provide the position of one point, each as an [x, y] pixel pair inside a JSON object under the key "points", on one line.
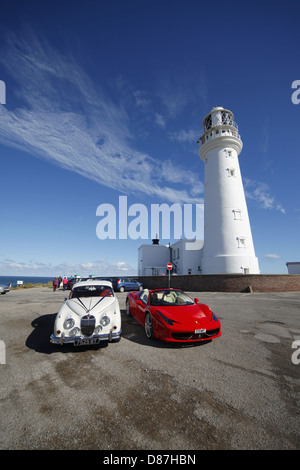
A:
{"points": [[153, 259], [228, 245], [186, 258], [73, 308]]}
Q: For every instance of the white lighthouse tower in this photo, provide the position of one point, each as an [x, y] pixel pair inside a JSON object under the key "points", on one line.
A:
{"points": [[228, 245]]}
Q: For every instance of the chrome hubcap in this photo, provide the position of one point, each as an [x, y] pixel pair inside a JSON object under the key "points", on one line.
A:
{"points": [[148, 326]]}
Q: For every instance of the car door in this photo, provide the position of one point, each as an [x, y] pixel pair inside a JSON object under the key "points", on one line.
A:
{"points": [[124, 282], [141, 307], [133, 284]]}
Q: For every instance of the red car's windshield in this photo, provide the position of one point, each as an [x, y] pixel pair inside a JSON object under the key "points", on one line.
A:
{"points": [[170, 298]]}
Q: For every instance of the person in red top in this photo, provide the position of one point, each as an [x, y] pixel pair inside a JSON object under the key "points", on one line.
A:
{"points": [[65, 282]]}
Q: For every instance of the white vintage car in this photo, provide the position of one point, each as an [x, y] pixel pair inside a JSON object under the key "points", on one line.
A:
{"points": [[90, 315]]}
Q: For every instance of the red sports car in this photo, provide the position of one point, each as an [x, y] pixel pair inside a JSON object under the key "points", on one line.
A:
{"points": [[171, 315]]}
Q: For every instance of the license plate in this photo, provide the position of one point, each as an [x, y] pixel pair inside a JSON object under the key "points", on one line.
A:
{"points": [[202, 330], [84, 341]]}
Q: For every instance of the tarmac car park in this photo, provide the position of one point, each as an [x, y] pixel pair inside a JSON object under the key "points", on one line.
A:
{"points": [[240, 391]]}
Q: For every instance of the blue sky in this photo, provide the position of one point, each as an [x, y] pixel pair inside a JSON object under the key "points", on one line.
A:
{"points": [[106, 99]]}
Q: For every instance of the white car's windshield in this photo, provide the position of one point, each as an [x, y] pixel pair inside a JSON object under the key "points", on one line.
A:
{"points": [[169, 298], [91, 291]]}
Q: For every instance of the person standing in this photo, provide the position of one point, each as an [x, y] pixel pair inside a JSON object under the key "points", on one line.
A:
{"points": [[55, 282], [65, 282]]}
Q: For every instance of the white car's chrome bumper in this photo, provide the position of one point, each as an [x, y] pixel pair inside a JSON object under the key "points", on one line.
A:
{"points": [[110, 336]]}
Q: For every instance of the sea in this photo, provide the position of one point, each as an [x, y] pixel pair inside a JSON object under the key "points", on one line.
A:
{"points": [[5, 280]]}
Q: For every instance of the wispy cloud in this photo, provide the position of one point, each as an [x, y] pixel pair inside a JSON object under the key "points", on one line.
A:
{"points": [[183, 136], [65, 119], [11, 267], [160, 120], [260, 192], [178, 90], [273, 256], [141, 99]]}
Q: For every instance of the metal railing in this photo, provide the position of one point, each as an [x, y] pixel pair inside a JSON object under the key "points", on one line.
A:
{"points": [[218, 131]]}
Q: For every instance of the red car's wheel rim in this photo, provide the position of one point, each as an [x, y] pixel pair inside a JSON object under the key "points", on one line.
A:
{"points": [[148, 326]]}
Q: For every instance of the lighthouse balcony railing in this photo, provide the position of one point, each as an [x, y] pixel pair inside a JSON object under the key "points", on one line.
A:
{"points": [[219, 131]]}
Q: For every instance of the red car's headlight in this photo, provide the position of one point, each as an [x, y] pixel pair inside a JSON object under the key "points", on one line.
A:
{"points": [[214, 316], [166, 319]]}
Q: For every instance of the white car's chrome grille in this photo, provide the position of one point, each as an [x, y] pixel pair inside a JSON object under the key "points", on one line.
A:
{"points": [[88, 325]]}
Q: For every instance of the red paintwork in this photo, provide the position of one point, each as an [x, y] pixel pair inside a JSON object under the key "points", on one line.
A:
{"points": [[189, 318]]}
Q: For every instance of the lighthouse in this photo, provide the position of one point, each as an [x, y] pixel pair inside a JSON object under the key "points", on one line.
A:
{"points": [[228, 244]]}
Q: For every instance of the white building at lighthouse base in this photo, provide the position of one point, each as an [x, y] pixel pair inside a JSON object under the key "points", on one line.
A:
{"points": [[187, 258]]}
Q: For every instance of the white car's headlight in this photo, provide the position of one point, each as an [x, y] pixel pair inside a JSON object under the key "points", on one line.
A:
{"points": [[75, 331], [105, 320], [69, 323]]}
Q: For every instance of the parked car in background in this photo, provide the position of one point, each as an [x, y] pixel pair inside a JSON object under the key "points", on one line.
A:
{"points": [[73, 281], [4, 289], [90, 315], [127, 283]]}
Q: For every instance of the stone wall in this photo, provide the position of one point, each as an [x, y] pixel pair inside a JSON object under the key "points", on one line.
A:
{"points": [[226, 282]]}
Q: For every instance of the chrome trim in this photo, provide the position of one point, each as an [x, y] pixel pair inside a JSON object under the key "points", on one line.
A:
{"points": [[70, 339], [87, 325]]}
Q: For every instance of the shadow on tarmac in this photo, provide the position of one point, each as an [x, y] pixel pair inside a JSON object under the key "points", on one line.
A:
{"points": [[39, 338]]}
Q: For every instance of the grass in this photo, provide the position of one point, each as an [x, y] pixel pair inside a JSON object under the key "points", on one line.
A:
{"points": [[29, 285]]}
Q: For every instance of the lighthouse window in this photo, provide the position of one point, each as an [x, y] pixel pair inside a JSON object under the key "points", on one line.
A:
{"points": [[207, 123], [231, 171], [226, 118], [237, 214], [241, 242]]}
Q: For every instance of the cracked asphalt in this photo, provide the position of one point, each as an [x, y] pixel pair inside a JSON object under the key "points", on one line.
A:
{"points": [[240, 391]]}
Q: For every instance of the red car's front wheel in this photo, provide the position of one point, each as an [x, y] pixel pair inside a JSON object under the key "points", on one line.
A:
{"points": [[128, 313], [148, 326]]}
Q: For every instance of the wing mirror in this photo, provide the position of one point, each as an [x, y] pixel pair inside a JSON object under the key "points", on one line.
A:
{"points": [[196, 300]]}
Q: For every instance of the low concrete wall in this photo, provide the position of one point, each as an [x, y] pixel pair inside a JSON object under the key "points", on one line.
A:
{"points": [[226, 282]]}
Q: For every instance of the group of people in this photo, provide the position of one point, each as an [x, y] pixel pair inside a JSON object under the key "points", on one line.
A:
{"points": [[58, 281]]}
